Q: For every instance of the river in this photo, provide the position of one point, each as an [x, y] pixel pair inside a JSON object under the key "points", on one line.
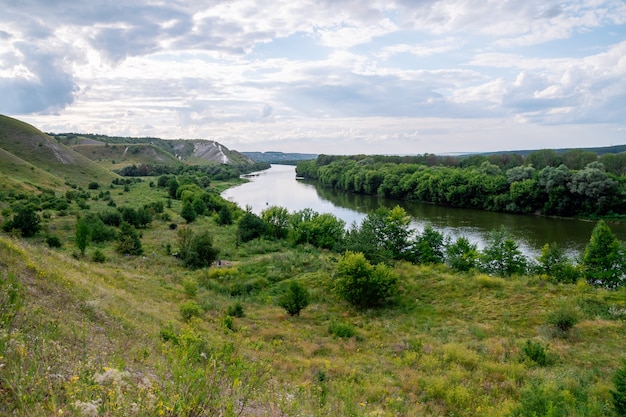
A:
{"points": [[278, 186]]}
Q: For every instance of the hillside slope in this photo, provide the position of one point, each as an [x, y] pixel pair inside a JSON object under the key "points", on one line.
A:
{"points": [[32, 158], [124, 151]]}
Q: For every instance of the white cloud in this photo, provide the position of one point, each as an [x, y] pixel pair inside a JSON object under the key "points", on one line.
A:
{"points": [[381, 71]]}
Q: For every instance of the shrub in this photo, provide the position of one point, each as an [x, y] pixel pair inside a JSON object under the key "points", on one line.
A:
{"points": [[25, 220], [564, 317], [93, 185], [53, 241], [362, 284], [128, 242], [188, 212], [190, 286], [295, 299], [190, 309], [196, 250], [228, 323], [538, 353], [341, 330], [98, 256], [501, 255], [235, 310], [250, 227], [619, 394]]}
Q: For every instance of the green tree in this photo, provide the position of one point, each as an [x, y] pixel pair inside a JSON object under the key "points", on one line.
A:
{"points": [[602, 262], [25, 220], [501, 255], [250, 226], [554, 263], [362, 284], [225, 216], [462, 255], [128, 241], [82, 235], [295, 299], [428, 247], [320, 230], [277, 221], [196, 249], [188, 212]]}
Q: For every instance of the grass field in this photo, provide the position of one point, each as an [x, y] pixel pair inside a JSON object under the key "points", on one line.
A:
{"points": [[79, 337]]}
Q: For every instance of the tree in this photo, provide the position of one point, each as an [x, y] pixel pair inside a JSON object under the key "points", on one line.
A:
{"points": [[25, 220], [295, 299], [462, 255], [362, 284], [225, 216], [277, 221], [188, 212], [554, 263], [383, 235], [128, 241], [501, 256], [428, 247], [196, 250], [250, 227], [82, 235], [602, 259]]}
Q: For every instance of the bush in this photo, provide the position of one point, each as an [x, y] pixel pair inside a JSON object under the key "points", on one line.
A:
{"points": [[98, 256], [93, 185], [619, 394], [538, 353], [190, 286], [295, 299], [362, 284], [53, 241], [190, 309], [235, 310], [25, 220], [564, 317], [196, 250], [341, 330], [128, 242]]}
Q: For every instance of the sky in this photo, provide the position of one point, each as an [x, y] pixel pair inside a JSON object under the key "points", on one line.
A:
{"points": [[322, 76]]}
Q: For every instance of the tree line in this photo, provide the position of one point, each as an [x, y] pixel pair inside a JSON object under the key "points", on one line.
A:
{"points": [[540, 183]]}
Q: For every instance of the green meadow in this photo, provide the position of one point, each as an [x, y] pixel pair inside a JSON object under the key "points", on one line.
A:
{"points": [[106, 334]]}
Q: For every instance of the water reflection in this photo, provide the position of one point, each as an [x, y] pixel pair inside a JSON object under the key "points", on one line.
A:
{"points": [[278, 186]]}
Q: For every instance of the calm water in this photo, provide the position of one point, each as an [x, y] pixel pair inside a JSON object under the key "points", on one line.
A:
{"points": [[278, 187]]}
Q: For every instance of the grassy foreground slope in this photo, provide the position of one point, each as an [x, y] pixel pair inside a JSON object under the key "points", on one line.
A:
{"points": [[84, 338]]}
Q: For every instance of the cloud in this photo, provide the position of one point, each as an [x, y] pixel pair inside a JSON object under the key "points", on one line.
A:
{"points": [[312, 70]]}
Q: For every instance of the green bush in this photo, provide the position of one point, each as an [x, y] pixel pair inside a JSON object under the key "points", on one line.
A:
{"points": [[190, 286], [341, 330], [295, 299], [538, 353], [235, 310], [98, 256], [362, 284], [53, 241], [564, 317], [190, 309], [619, 394]]}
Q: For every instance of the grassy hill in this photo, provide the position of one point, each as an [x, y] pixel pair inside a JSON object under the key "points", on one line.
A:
{"points": [[145, 336], [30, 158], [118, 152]]}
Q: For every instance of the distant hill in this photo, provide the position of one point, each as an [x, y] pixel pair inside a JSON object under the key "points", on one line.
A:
{"points": [[279, 157], [116, 152], [32, 159], [602, 150]]}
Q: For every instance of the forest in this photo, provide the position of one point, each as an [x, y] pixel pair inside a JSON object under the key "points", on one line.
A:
{"points": [[574, 183]]}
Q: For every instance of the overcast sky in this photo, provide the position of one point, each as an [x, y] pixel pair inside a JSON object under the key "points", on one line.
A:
{"points": [[322, 76]]}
